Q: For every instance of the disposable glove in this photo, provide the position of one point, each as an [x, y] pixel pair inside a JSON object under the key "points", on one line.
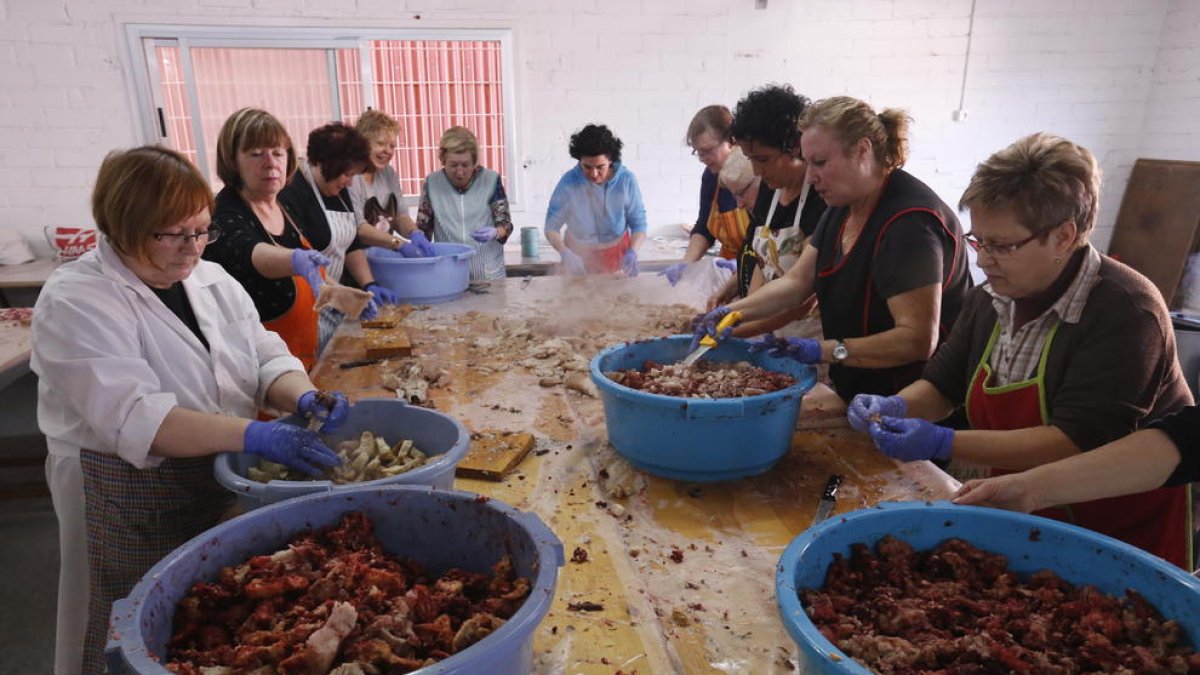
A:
{"points": [[629, 263], [804, 350], [867, 408], [370, 311], [384, 295], [484, 234], [418, 246], [727, 264], [295, 448], [674, 272], [573, 263], [332, 408], [706, 324], [307, 263], [909, 439]]}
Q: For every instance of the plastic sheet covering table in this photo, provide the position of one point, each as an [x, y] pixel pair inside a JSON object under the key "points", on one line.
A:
{"points": [[666, 576]]}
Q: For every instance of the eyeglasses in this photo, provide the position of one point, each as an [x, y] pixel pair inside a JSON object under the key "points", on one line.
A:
{"points": [[998, 250], [705, 152], [740, 194], [208, 236]]}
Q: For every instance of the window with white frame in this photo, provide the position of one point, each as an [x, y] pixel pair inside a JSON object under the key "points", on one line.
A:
{"points": [[194, 78]]}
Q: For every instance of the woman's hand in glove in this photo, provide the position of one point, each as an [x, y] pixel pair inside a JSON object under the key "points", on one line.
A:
{"points": [[295, 448], [307, 263], [331, 407]]}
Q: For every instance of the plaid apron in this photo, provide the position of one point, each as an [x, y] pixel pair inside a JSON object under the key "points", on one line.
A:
{"points": [[135, 517]]}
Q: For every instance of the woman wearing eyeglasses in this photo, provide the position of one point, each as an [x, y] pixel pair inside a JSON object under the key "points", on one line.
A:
{"points": [[1062, 350], [150, 361], [721, 217]]}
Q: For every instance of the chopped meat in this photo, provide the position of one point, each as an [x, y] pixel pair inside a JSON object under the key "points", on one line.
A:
{"points": [[705, 379]]}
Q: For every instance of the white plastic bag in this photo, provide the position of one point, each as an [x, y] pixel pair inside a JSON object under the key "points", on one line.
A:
{"points": [[705, 276], [13, 249]]}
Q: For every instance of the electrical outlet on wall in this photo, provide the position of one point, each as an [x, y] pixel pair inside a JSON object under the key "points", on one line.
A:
{"points": [[960, 115]]}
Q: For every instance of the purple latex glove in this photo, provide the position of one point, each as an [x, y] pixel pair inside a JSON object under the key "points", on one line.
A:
{"points": [[332, 409], [484, 234], [370, 311], [804, 350], [629, 263], [909, 439], [307, 263], [418, 246], [866, 406], [295, 448], [727, 264], [674, 272], [573, 263], [706, 324], [384, 295]]}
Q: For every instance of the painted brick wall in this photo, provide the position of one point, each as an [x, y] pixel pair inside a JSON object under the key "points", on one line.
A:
{"points": [[1084, 68]]}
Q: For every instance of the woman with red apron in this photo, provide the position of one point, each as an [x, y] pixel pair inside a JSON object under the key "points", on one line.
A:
{"points": [[1062, 351]]}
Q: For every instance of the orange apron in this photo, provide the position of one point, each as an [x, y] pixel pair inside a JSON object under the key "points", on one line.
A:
{"points": [[729, 227], [1158, 521], [298, 325]]}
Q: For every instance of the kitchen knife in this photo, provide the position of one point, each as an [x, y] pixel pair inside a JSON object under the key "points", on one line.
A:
{"points": [[359, 363], [708, 342], [829, 498]]}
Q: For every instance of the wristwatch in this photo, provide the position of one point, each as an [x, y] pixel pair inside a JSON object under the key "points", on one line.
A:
{"points": [[840, 353]]}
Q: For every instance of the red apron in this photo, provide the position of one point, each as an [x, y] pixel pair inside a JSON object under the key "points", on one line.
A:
{"points": [[729, 227], [1157, 521], [606, 260]]}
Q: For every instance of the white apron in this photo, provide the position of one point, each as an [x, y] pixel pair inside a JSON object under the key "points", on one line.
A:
{"points": [[343, 228], [457, 214], [778, 250]]}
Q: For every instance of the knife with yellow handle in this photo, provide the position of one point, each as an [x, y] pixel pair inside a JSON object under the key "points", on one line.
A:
{"points": [[708, 342]]}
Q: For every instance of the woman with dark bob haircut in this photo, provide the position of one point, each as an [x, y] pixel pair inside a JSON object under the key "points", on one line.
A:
{"points": [[150, 362], [599, 202]]}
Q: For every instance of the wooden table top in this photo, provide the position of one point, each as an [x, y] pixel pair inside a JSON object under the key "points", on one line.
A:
{"points": [[710, 607], [16, 344], [32, 274]]}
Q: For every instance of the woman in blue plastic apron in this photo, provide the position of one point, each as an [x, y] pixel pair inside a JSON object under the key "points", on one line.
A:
{"points": [[465, 203], [318, 198], [1062, 351], [150, 361]]}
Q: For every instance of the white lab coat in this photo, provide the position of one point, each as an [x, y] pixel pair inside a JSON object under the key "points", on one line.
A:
{"points": [[112, 360]]}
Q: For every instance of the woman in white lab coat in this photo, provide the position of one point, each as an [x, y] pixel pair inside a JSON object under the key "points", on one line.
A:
{"points": [[150, 361]]}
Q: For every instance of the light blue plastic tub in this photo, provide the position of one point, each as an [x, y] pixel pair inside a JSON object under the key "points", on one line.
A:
{"points": [[442, 278], [698, 439], [437, 434], [440, 529], [1030, 543]]}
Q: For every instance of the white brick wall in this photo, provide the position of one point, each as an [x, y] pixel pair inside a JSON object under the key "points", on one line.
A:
{"points": [[1097, 71]]}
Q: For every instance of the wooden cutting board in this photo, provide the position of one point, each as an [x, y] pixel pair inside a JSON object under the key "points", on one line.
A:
{"points": [[494, 453], [387, 343], [389, 316]]}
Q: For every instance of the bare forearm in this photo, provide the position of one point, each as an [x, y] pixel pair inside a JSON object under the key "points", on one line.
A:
{"points": [[894, 347], [1016, 449], [636, 239], [273, 262], [285, 391], [923, 400], [774, 297], [404, 225], [556, 240], [356, 264], [697, 245], [189, 433], [1139, 462], [373, 236]]}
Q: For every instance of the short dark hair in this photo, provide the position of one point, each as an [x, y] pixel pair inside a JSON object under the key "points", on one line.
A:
{"points": [[593, 140], [338, 148], [770, 115]]}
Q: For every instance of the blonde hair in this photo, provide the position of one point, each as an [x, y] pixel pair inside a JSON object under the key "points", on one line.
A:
{"points": [[1044, 180], [376, 124], [456, 140], [714, 118], [143, 190], [737, 172], [249, 129], [850, 120]]}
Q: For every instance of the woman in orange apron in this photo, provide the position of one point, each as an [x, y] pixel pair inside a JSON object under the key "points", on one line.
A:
{"points": [[1062, 351], [721, 218]]}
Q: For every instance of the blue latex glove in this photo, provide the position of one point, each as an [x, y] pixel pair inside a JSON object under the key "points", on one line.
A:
{"points": [[908, 439], [674, 272], [307, 263], [295, 448], [418, 246], [865, 406], [727, 264], [370, 311], [484, 234], [629, 263], [384, 295], [706, 324], [333, 410], [804, 350], [573, 263]]}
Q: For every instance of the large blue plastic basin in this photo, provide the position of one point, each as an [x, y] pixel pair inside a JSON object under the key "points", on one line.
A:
{"points": [[441, 278], [439, 528], [437, 434], [1075, 554], [698, 439]]}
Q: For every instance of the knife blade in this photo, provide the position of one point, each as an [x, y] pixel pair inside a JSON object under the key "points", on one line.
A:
{"points": [[359, 363], [708, 342], [828, 498]]}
